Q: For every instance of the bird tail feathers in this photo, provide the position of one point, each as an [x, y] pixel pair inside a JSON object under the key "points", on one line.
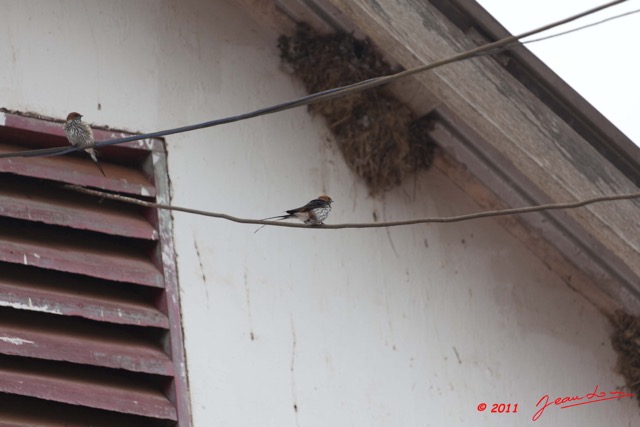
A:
{"points": [[94, 156], [279, 218]]}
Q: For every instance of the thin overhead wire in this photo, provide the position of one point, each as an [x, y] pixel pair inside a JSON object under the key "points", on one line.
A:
{"points": [[582, 27], [518, 42], [439, 220], [486, 49]]}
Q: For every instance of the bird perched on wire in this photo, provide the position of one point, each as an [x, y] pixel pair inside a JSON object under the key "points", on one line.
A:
{"points": [[80, 135], [313, 213]]}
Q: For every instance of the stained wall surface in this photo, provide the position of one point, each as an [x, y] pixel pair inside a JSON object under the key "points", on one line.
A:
{"points": [[412, 326]]}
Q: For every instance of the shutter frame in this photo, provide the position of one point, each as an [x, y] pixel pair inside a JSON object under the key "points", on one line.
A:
{"points": [[89, 292]]}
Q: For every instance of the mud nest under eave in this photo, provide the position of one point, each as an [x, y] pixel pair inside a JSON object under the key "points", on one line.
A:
{"points": [[378, 135], [626, 342]]}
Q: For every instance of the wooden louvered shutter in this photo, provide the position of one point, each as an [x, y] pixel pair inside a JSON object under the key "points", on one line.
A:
{"points": [[90, 329]]}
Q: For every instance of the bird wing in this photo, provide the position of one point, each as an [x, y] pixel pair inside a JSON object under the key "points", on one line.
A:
{"points": [[315, 203]]}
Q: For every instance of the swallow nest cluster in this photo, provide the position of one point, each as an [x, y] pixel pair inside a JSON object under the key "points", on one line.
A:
{"points": [[626, 342], [378, 135]]}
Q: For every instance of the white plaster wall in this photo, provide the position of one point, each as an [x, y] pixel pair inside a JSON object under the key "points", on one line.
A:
{"points": [[409, 326]]}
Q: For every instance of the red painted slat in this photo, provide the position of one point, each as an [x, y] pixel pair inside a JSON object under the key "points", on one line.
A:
{"points": [[70, 340], [65, 296], [60, 207], [61, 252], [85, 387], [79, 170], [31, 124], [21, 411]]}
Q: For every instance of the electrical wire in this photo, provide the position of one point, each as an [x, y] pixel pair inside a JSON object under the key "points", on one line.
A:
{"points": [[562, 33], [582, 27], [486, 49], [439, 220]]}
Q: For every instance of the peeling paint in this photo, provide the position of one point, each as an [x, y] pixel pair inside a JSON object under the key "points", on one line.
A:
{"points": [[44, 308], [15, 340], [162, 199], [145, 144]]}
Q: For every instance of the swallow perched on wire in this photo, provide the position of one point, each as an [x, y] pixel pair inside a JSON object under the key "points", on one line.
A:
{"points": [[313, 213], [80, 135]]}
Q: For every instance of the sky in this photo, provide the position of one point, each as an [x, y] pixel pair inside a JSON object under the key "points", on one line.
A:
{"points": [[600, 62]]}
